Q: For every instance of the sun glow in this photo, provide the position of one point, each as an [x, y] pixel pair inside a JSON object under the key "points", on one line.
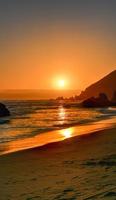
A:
{"points": [[61, 83]]}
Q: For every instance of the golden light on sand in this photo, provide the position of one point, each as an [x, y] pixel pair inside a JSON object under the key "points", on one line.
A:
{"points": [[67, 133]]}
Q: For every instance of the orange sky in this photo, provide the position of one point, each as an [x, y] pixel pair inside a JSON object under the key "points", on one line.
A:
{"points": [[35, 56]]}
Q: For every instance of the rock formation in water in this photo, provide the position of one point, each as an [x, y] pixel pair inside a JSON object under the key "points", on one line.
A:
{"points": [[114, 99], [4, 112], [100, 101]]}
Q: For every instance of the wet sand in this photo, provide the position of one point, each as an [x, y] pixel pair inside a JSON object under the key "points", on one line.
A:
{"points": [[82, 167]]}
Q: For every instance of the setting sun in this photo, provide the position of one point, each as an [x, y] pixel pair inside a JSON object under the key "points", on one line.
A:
{"points": [[61, 83]]}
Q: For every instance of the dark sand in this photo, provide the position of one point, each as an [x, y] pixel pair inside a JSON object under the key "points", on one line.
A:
{"points": [[78, 168]]}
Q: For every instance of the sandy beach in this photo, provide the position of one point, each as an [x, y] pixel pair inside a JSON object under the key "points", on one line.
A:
{"points": [[81, 168], [57, 99]]}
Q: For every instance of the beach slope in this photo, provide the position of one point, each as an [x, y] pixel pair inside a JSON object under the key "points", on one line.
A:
{"points": [[80, 168]]}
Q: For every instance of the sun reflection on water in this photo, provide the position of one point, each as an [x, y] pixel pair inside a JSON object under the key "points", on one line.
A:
{"points": [[67, 133], [62, 114]]}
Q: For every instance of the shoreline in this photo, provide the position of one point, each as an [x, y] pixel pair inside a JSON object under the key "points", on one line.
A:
{"points": [[48, 146], [55, 136], [62, 135]]}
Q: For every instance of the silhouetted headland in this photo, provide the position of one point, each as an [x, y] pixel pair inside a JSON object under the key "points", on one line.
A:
{"points": [[106, 85]]}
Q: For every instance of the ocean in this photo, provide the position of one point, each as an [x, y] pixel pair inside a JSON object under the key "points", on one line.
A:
{"points": [[31, 118]]}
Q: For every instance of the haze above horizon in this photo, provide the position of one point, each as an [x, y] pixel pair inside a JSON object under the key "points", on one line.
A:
{"points": [[36, 94]]}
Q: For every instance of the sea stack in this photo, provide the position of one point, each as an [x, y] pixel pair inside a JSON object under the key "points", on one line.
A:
{"points": [[4, 112], [100, 101]]}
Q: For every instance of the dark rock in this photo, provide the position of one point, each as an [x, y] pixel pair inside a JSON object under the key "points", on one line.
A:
{"points": [[114, 99], [100, 101], [4, 112], [90, 102]]}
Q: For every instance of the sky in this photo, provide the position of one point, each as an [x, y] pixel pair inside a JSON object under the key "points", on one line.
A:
{"points": [[45, 41]]}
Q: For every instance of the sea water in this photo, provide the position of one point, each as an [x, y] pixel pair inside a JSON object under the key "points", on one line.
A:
{"points": [[31, 118]]}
